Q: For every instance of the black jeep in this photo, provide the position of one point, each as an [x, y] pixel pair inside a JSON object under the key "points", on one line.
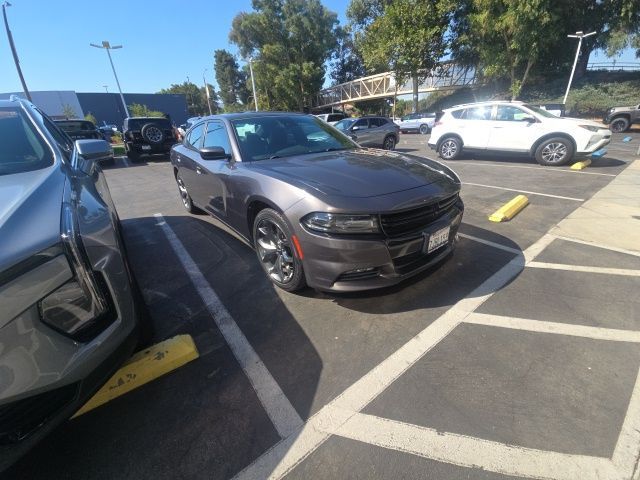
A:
{"points": [[147, 135], [80, 129], [620, 119]]}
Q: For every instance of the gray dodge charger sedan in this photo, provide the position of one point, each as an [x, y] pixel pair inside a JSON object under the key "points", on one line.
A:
{"points": [[67, 311], [319, 209]]}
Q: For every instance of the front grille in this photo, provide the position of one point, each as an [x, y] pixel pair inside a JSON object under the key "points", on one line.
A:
{"points": [[19, 419], [354, 276], [394, 224], [411, 262]]}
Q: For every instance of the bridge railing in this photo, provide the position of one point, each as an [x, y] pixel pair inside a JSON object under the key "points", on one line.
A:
{"points": [[444, 77], [615, 66]]}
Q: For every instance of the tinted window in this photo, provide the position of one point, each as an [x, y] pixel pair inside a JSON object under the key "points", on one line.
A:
{"points": [[195, 136], [334, 117], [271, 136], [362, 123], [61, 138], [377, 122], [22, 149], [138, 123], [477, 113], [345, 124], [71, 125], [507, 113], [457, 113], [217, 136]]}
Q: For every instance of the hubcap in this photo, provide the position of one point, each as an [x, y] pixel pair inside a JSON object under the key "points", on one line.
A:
{"points": [[423, 129], [154, 134], [389, 143], [554, 152], [184, 195], [274, 251], [449, 149], [618, 126]]}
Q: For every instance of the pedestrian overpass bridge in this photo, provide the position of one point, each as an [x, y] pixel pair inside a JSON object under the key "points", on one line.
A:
{"points": [[447, 76]]}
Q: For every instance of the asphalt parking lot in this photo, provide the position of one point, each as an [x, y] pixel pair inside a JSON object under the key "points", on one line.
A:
{"points": [[538, 380]]}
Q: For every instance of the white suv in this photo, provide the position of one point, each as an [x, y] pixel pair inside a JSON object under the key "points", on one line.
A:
{"points": [[515, 127]]}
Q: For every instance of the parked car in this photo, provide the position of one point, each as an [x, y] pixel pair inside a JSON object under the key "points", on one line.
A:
{"points": [[332, 118], [378, 132], [147, 135], [68, 311], [80, 129], [417, 122], [318, 209], [620, 119], [515, 127]]}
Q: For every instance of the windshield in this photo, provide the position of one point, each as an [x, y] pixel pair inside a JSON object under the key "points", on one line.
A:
{"points": [[22, 149], [540, 111], [262, 138], [345, 124]]}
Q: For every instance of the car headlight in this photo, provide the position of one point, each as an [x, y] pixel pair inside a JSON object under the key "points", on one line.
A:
{"points": [[591, 128], [341, 223]]}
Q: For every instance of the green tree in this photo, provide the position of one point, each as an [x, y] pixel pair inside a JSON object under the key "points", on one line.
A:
{"points": [[409, 37], [232, 81], [290, 41], [346, 62], [139, 110], [68, 111], [196, 97], [91, 118]]}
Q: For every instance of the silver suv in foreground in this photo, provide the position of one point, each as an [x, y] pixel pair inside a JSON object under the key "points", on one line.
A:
{"points": [[68, 318]]}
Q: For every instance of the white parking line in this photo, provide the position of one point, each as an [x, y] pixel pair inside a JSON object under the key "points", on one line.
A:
{"points": [[491, 244], [598, 245], [284, 417], [539, 169], [286, 455], [524, 191], [582, 268]]}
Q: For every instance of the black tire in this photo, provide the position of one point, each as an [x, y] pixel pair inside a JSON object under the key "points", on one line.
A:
{"points": [[449, 148], [276, 252], [152, 133], [187, 202], [424, 129], [619, 124], [389, 142], [554, 151]]}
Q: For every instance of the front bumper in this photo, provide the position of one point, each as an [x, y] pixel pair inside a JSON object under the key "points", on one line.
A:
{"points": [[595, 143], [341, 264]]}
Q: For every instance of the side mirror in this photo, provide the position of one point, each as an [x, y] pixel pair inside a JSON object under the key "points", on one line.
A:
{"points": [[529, 120], [214, 153], [355, 129], [95, 150]]}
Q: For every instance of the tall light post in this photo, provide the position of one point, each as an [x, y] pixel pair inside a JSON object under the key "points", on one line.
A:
{"points": [[107, 46], [253, 83], [13, 50], [579, 35], [206, 90], [106, 88]]}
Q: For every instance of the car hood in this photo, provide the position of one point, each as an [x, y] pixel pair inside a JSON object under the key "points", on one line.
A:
{"points": [[30, 206], [359, 173]]}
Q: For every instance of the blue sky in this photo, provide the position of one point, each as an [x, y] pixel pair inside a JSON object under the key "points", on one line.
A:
{"points": [[164, 42]]}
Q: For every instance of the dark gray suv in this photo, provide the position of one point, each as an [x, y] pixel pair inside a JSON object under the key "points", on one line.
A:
{"points": [[319, 209], [67, 313], [379, 132]]}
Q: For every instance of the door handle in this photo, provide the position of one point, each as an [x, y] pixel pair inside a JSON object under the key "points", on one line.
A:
{"points": [[199, 171]]}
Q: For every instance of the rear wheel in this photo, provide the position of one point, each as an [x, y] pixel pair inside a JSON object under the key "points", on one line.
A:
{"points": [[273, 242], [619, 125], [389, 142], [424, 129], [450, 148], [554, 152]]}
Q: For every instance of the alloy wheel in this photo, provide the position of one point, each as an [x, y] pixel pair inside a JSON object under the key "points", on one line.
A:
{"points": [[554, 152], [448, 149], [619, 125], [184, 195], [154, 134], [275, 251], [389, 143]]}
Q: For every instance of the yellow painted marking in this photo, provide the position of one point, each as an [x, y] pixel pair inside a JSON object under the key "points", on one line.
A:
{"points": [[581, 165], [509, 209], [143, 367]]}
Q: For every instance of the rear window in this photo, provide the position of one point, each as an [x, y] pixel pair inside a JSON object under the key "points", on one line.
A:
{"points": [[74, 126], [22, 149], [334, 117], [138, 123]]}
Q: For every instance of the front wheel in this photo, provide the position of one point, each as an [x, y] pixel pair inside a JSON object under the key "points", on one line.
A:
{"points": [[273, 242], [450, 148], [554, 152], [619, 125], [424, 129], [185, 197], [389, 143]]}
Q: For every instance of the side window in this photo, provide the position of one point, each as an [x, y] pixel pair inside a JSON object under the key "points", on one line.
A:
{"points": [[377, 122], [217, 136], [507, 113], [362, 124], [478, 113], [61, 138], [458, 113], [194, 139]]}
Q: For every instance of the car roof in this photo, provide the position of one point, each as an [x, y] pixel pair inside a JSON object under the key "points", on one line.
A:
{"points": [[13, 101], [486, 103], [252, 114]]}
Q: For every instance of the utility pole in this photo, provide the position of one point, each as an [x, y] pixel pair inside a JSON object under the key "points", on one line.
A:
{"points": [[206, 89], [579, 35], [13, 50], [107, 46], [253, 83]]}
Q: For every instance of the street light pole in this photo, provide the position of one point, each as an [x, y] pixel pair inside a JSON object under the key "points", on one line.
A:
{"points": [[107, 46], [579, 35], [106, 88], [13, 50], [206, 89], [253, 83]]}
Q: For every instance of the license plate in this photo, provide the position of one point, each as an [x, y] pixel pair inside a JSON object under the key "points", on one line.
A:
{"points": [[438, 239], [146, 147]]}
